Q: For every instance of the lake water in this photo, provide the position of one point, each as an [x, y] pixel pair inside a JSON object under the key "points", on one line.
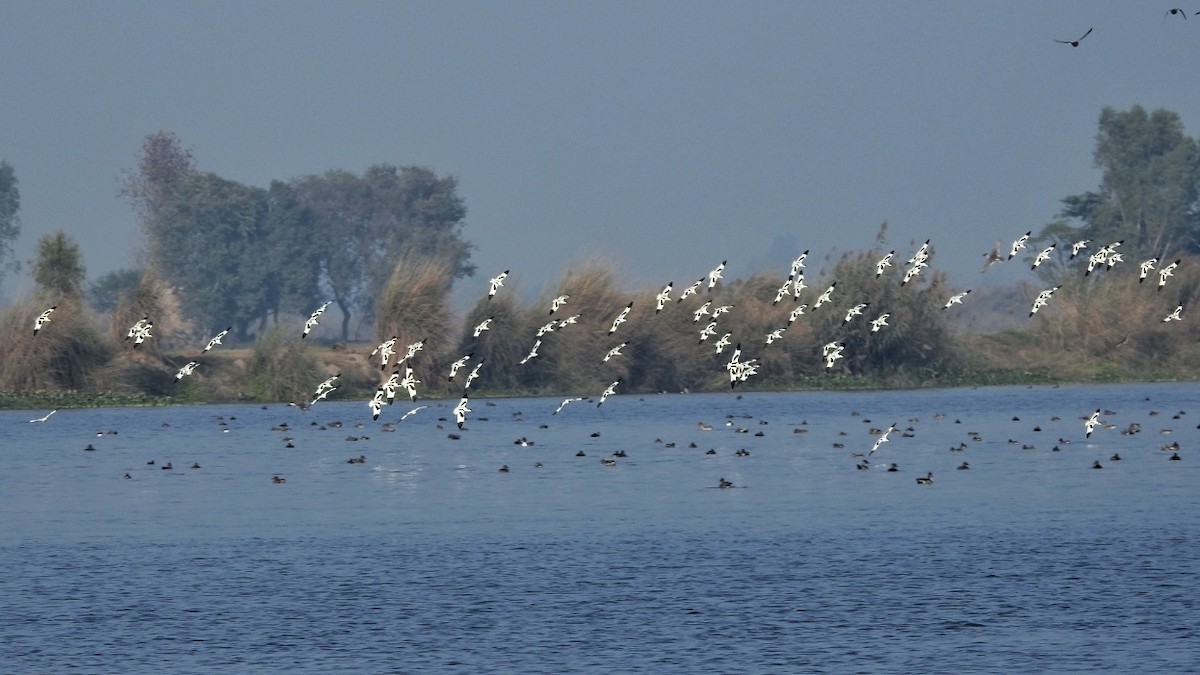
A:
{"points": [[426, 558]]}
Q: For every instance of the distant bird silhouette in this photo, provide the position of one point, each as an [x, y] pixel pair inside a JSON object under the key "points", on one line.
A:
{"points": [[1075, 43], [1176, 10]]}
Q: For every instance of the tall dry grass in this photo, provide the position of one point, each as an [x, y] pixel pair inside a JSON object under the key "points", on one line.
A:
{"points": [[66, 353], [415, 306]]}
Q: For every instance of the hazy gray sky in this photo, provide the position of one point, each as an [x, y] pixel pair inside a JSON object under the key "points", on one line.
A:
{"points": [[661, 136]]}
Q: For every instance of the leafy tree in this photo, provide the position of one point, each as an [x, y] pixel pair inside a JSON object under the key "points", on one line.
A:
{"points": [[162, 164], [365, 223], [105, 293], [208, 241], [58, 270], [1149, 194], [10, 222]]}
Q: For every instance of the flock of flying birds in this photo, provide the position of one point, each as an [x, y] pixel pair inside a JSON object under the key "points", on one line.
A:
{"points": [[738, 368]]}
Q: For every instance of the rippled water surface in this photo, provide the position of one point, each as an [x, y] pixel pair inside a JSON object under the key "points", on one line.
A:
{"points": [[425, 557]]}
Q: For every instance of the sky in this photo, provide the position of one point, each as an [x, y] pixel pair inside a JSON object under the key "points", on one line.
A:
{"points": [[656, 137]]}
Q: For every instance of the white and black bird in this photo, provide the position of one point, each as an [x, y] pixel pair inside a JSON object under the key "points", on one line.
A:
{"points": [[833, 352], [142, 334], [385, 350], [723, 342], [483, 325], [701, 311], [188, 369], [1145, 268], [854, 311], [715, 275], [137, 327], [565, 403], [883, 438], [570, 320], [879, 322], [621, 318], [912, 273], [611, 390], [774, 335], [663, 297], [615, 351], [1041, 299], [460, 412], [921, 255], [43, 418], [796, 312], [312, 319], [824, 297], [723, 309], [783, 291], [884, 263], [412, 412], [217, 339], [457, 365], [1166, 272], [708, 331], [410, 382], [956, 299], [495, 283], [1174, 316], [557, 303], [412, 350], [327, 385], [798, 264], [473, 375], [532, 352], [1043, 256], [43, 319], [1019, 244], [376, 403], [691, 290], [1079, 246], [547, 328], [1090, 425]]}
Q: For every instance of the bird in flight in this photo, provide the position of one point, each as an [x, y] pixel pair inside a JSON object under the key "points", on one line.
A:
{"points": [[312, 320], [1175, 10], [43, 418], [43, 319], [217, 340], [495, 283], [1075, 43]]}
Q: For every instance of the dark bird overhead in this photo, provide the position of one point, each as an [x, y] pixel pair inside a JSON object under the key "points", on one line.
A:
{"points": [[1075, 43]]}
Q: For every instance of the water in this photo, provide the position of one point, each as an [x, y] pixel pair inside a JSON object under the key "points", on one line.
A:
{"points": [[426, 558]]}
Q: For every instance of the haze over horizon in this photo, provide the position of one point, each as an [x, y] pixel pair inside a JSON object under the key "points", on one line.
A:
{"points": [[663, 137]]}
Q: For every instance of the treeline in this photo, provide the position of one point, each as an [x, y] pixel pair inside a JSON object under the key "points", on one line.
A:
{"points": [[245, 256]]}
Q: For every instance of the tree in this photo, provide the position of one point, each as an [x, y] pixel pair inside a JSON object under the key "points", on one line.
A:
{"points": [[162, 164], [10, 222], [1149, 194], [106, 292], [58, 270], [366, 223], [208, 241]]}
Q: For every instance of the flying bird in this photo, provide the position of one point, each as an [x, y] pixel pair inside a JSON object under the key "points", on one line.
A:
{"points": [[611, 390], [620, 318], [483, 325], [1092, 422], [216, 340], [1174, 316], [495, 283], [473, 375], [992, 257], [774, 335], [723, 342], [615, 351], [1166, 272], [532, 352], [460, 412], [715, 275], [43, 418], [1075, 43], [1079, 246], [691, 290], [187, 370], [783, 291], [1145, 268], [142, 333], [1019, 244], [548, 328], [570, 320], [1043, 256], [412, 412], [824, 297], [956, 299], [854, 311], [879, 322], [703, 310], [558, 302], [708, 331], [565, 403], [663, 297], [137, 327], [1041, 299], [385, 351], [796, 312], [454, 367], [884, 263], [312, 320], [1175, 10], [798, 263], [43, 319], [883, 438]]}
